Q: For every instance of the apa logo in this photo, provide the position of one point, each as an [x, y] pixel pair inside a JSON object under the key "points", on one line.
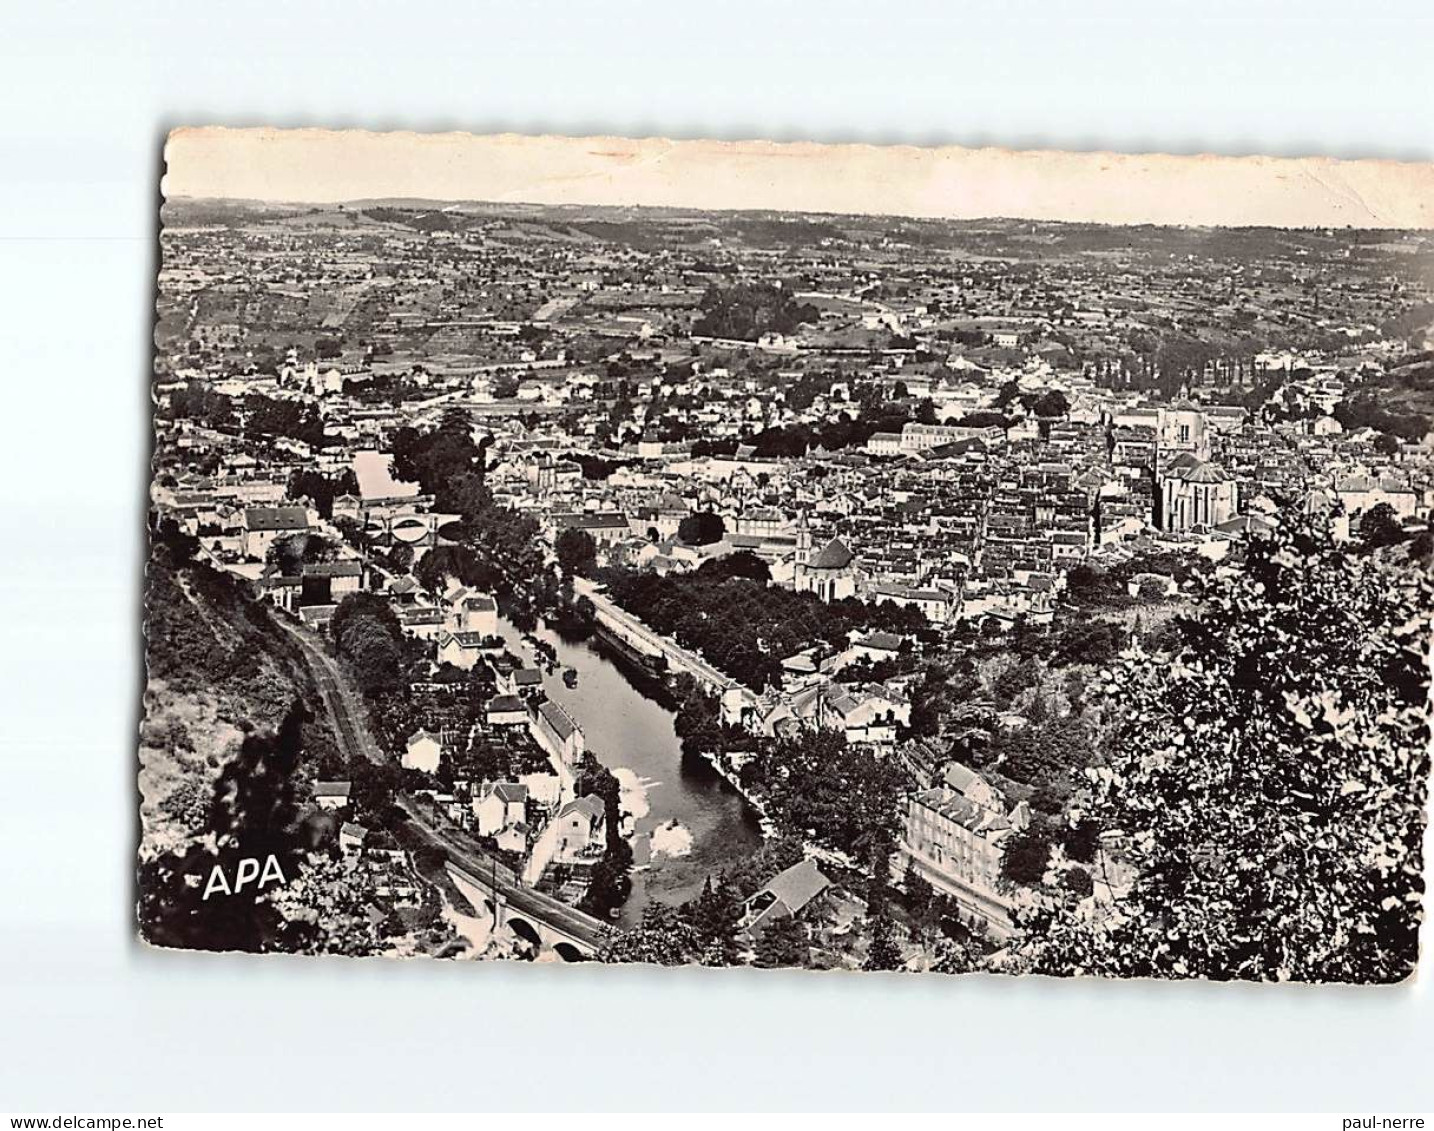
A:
{"points": [[247, 872]]}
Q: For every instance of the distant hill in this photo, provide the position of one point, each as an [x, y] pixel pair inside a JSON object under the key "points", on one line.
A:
{"points": [[641, 226]]}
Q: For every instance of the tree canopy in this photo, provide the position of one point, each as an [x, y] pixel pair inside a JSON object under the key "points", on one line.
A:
{"points": [[749, 310], [367, 633], [1269, 777], [577, 552], [701, 529]]}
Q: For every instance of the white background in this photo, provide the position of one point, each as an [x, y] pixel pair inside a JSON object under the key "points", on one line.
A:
{"points": [[90, 1021]]}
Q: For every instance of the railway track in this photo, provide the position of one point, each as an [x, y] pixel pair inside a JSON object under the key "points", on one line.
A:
{"points": [[352, 733]]}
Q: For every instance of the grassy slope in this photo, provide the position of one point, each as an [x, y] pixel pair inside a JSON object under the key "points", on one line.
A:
{"points": [[218, 665]]}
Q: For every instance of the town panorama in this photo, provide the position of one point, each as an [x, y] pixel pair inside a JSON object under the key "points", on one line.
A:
{"points": [[788, 590]]}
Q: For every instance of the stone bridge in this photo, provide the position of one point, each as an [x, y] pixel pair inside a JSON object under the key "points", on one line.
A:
{"points": [[545, 923]]}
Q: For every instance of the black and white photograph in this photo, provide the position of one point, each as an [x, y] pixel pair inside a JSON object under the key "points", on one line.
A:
{"points": [[774, 587], [646, 562]]}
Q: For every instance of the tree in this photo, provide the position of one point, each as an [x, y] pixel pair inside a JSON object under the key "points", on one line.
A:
{"points": [[366, 632], [749, 310], [611, 880], [290, 554], [883, 953], [253, 813], [743, 563], [1269, 776], [577, 552], [955, 957], [322, 490], [716, 916], [1082, 839], [985, 419], [181, 546], [1379, 526], [701, 529], [1025, 858], [331, 900], [1386, 445], [662, 938], [920, 900], [783, 942], [1051, 404]]}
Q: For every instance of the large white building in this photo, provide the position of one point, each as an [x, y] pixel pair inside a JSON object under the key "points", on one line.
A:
{"points": [[954, 835]]}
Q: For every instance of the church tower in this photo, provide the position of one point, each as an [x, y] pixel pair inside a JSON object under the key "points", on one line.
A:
{"points": [[804, 539]]}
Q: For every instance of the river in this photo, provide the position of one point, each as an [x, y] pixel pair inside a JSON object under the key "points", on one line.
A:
{"points": [[633, 735]]}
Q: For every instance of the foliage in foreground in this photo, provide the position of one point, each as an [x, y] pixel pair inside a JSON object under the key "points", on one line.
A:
{"points": [[1269, 777]]}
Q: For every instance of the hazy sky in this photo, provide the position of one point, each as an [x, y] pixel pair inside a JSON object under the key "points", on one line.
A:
{"points": [[326, 166]]}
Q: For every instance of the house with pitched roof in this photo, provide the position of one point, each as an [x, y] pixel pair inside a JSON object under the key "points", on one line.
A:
{"points": [[556, 730], [332, 794], [877, 646], [1360, 493], [461, 649], [474, 612], [351, 837], [521, 681], [263, 526], [422, 621], [506, 710], [789, 894], [581, 827], [502, 807], [936, 605], [868, 713]]}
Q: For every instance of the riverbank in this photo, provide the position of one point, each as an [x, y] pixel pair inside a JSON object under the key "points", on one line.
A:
{"points": [[732, 776], [687, 818]]}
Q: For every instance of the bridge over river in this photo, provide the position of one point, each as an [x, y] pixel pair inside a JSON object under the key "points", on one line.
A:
{"points": [[547, 923], [544, 921]]}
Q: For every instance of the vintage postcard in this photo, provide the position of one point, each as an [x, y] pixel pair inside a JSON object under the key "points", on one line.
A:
{"points": [[787, 555]]}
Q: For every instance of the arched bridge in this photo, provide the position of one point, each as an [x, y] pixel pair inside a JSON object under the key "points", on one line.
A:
{"points": [[546, 923]]}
